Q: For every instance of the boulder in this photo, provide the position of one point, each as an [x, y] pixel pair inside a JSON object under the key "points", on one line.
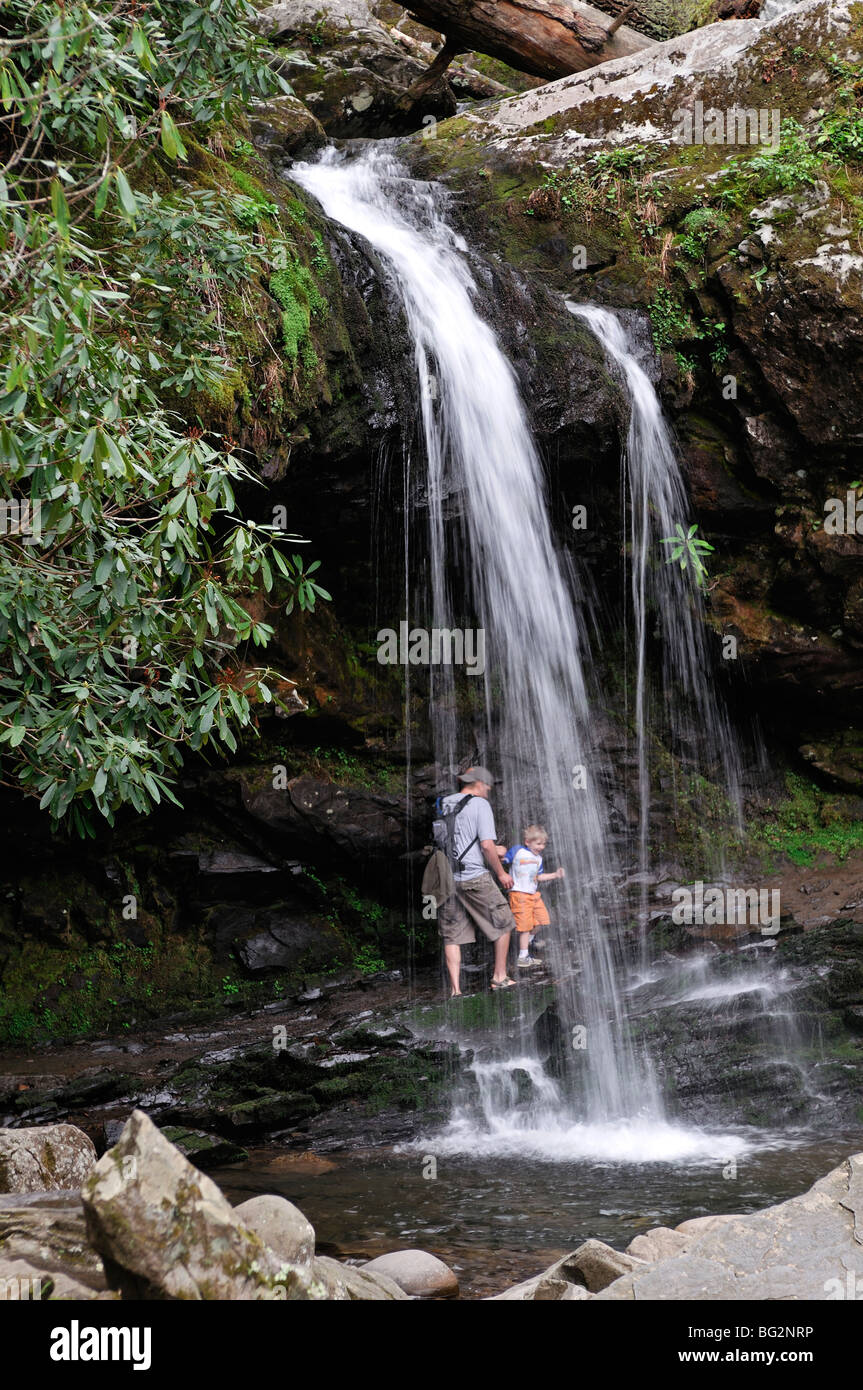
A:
{"points": [[280, 1225], [165, 1230], [45, 1158], [810, 1247], [358, 77], [285, 128], [343, 1282], [417, 1272]]}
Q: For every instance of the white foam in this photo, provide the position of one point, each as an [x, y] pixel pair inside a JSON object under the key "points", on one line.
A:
{"points": [[560, 1141]]}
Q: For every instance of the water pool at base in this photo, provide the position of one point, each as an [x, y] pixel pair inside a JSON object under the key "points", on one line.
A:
{"points": [[499, 1220]]}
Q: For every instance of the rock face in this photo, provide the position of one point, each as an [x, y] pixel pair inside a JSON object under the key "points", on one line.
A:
{"points": [[165, 1230], [43, 1237], [416, 1272], [778, 1011], [756, 295], [806, 1248], [44, 1159]]}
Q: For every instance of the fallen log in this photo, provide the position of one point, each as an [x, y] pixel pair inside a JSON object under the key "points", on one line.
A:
{"points": [[548, 38]]}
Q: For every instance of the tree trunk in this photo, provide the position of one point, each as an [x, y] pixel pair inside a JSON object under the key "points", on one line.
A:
{"points": [[548, 38]]}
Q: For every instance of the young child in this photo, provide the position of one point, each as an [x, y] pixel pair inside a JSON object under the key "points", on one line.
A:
{"points": [[525, 900]]}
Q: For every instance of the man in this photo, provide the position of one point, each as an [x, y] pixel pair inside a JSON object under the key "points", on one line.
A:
{"points": [[476, 901]]}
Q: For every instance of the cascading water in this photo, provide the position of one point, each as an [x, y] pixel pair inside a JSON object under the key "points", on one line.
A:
{"points": [[488, 518], [656, 504]]}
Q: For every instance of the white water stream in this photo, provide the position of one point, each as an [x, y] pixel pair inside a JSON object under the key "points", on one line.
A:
{"points": [[488, 519]]}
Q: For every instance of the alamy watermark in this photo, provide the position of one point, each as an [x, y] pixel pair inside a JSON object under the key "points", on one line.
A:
{"points": [[24, 519], [844, 515], [738, 125], [714, 907], [436, 646]]}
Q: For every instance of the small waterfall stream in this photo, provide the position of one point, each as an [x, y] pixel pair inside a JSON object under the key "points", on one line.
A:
{"points": [[488, 519], [656, 503]]}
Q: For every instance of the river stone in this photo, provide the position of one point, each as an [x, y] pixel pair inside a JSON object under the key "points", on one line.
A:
{"points": [[417, 1272], [344, 1282], [806, 1248], [658, 1244], [165, 1230], [45, 1158], [280, 1225]]}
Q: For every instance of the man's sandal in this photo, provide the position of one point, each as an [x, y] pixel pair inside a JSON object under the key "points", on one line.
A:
{"points": [[503, 984]]}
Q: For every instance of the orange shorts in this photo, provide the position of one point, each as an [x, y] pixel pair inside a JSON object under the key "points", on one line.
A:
{"points": [[529, 911]]}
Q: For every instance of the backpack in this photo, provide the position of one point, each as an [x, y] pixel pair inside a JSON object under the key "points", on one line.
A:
{"points": [[439, 874]]}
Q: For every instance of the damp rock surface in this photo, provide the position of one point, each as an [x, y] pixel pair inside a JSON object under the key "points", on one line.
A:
{"points": [[801, 1249], [44, 1158], [417, 1273], [165, 1230]]}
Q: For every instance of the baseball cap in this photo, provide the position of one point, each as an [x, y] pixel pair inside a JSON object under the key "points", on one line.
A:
{"points": [[477, 774]]}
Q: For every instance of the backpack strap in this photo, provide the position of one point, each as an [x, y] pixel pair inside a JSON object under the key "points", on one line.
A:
{"points": [[449, 820]]}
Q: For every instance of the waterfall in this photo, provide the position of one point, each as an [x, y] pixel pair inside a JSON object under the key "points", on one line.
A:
{"points": [[488, 520], [656, 503]]}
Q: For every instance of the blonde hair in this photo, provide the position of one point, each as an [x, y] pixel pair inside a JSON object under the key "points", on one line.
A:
{"points": [[535, 832]]}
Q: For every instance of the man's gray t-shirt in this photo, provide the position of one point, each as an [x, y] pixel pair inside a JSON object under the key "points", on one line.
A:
{"points": [[475, 820]]}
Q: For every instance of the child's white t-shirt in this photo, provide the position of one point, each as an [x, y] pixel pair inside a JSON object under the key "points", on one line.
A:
{"points": [[525, 867]]}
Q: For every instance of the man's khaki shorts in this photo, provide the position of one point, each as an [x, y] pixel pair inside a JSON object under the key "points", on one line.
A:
{"points": [[478, 902]]}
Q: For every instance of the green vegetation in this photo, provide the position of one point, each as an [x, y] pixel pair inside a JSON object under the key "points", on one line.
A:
{"points": [[294, 287], [793, 164], [54, 992], [696, 229], [366, 961], [808, 823], [842, 129], [688, 551], [124, 630]]}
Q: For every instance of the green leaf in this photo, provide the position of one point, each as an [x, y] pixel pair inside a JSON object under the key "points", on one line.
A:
{"points": [[102, 196], [125, 195], [104, 569], [172, 142], [60, 207]]}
